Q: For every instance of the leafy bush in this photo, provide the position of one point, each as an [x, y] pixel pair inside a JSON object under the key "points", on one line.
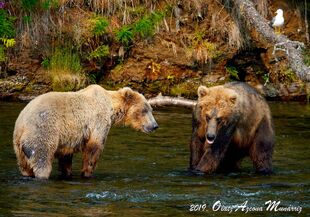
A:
{"points": [[100, 25], [146, 26], [45, 63], [233, 72], [7, 29], [29, 4], [124, 35], [99, 52], [48, 4]]}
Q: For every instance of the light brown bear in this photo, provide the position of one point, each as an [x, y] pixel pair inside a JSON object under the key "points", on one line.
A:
{"points": [[231, 122], [59, 124]]}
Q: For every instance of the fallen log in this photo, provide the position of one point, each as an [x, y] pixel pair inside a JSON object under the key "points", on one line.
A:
{"points": [[161, 100]]}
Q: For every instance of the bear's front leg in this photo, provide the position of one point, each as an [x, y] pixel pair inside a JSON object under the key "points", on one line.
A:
{"points": [[91, 154], [215, 153], [65, 165], [196, 151], [209, 162]]}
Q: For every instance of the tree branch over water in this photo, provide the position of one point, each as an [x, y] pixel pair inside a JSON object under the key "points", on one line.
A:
{"points": [[161, 100], [262, 33]]}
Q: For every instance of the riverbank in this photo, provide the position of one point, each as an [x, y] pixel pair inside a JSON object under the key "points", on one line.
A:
{"points": [[24, 88], [162, 47]]}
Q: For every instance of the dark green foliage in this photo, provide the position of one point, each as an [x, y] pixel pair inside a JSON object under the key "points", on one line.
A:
{"points": [[99, 52], [27, 19], [29, 4], [146, 26], [48, 4], [45, 63], [124, 35], [233, 72], [7, 29], [100, 26]]}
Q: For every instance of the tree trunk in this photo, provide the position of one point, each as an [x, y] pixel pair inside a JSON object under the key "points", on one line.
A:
{"points": [[172, 101], [262, 33]]}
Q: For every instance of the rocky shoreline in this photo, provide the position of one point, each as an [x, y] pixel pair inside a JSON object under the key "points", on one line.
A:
{"points": [[24, 88]]}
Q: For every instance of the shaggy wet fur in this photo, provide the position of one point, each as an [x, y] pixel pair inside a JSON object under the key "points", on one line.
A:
{"points": [[60, 124], [231, 122]]}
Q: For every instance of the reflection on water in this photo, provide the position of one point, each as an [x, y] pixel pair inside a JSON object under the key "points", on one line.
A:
{"points": [[146, 174]]}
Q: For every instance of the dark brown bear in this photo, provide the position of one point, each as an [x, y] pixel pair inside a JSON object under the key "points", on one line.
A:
{"points": [[231, 122]]}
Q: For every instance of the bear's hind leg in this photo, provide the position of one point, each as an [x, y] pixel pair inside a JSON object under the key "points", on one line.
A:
{"points": [[65, 165], [91, 154], [262, 148]]}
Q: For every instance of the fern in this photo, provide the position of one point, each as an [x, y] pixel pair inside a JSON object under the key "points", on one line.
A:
{"points": [[100, 25], [233, 72], [146, 26], [125, 35], [101, 51], [7, 29], [8, 42]]}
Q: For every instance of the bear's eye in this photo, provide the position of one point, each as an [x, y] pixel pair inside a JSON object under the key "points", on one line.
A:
{"points": [[144, 111], [207, 117], [218, 120]]}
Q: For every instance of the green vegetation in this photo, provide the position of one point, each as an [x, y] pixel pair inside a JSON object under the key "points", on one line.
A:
{"points": [[233, 72], [201, 50], [29, 5], [306, 54], [99, 25], [65, 70], [2, 54], [124, 35], [99, 52], [7, 29], [145, 27], [45, 63], [65, 60], [7, 33], [185, 89], [49, 4]]}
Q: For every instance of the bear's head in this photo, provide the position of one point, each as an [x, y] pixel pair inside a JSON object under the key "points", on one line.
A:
{"points": [[138, 112], [215, 110]]}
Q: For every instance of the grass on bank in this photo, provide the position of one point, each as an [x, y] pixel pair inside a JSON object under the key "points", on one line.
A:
{"points": [[65, 70]]}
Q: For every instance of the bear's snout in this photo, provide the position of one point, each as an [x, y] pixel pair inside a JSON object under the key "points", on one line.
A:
{"points": [[151, 127], [210, 138]]}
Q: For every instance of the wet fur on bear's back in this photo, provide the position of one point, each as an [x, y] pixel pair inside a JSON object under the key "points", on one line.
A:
{"points": [[238, 118]]}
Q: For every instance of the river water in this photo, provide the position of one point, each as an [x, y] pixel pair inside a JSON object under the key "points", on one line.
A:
{"points": [[146, 174]]}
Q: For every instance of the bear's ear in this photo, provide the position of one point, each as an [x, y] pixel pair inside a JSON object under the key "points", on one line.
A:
{"points": [[128, 93], [233, 98], [202, 91]]}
